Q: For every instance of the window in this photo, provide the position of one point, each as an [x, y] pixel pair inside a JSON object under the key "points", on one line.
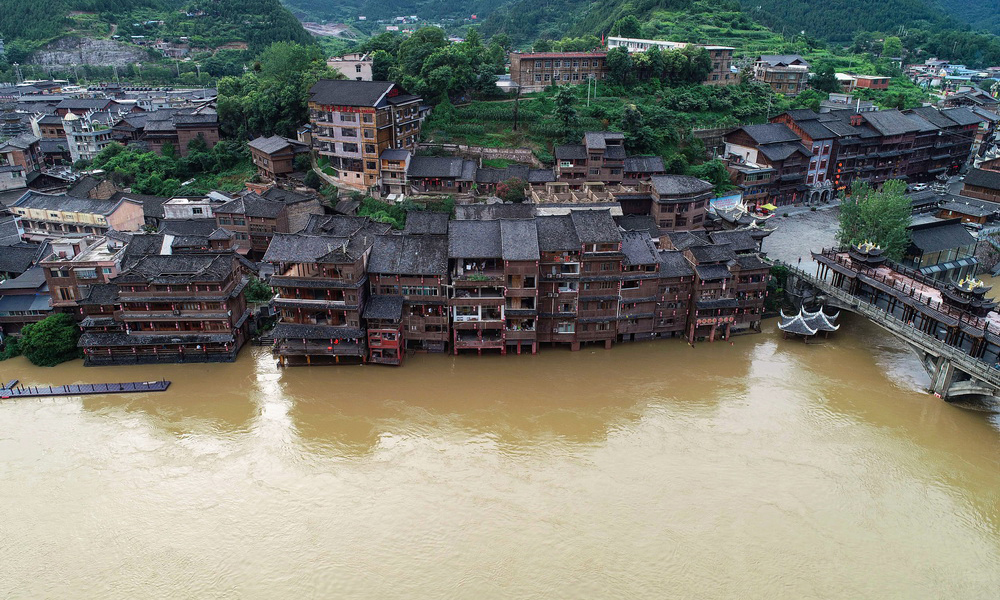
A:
{"points": [[106, 270], [370, 148], [366, 118], [370, 165], [538, 76], [576, 76], [86, 273], [349, 147], [357, 68], [196, 211], [349, 132], [225, 221], [348, 117], [538, 64], [576, 64], [556, 64], [548, 64], [547, 77], [369, 134]]}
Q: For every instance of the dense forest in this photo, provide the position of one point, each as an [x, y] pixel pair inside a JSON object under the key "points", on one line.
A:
{"points": [[25, 25]]}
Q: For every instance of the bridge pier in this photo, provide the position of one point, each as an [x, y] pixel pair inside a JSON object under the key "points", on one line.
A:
{"points": [[942, 374]]}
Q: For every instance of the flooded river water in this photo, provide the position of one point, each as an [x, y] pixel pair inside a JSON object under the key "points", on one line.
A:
{"points": [[762, 469]]}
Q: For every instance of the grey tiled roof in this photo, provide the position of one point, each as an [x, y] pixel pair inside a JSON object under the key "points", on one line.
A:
{"points": [[519, 239], [252, 205], [488, 212], [644, 164], [595, 226], [770, 133], [345, 92], [739, 240], [944, 235], [983, 178], [275, 143], [682, 240], [384, 308], [638, 248], [68, 203], [187, 226], [891, 122], [673, 264], [178, 268], [680, 185], [409, 255], [571, 152], [444, 167], [712, 253], [285, 331], [556, 233], [426, 222], [474, 239], [712, 272]]}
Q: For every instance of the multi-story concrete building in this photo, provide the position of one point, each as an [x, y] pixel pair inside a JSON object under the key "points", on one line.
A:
{"points": [[787, 74], [45, 215], [534, 71], [353, 122], [77, 264], [354, 66], [86, 139]]}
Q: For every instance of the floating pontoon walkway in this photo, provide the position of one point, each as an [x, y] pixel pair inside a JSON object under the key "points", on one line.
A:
{"points": [[12, 390]]}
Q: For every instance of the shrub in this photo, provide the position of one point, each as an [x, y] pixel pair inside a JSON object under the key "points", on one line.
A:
{"points": [[51, 341]]}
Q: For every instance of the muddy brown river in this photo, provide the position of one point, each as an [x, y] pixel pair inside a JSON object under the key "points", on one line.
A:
{"points": [[762, 469]]}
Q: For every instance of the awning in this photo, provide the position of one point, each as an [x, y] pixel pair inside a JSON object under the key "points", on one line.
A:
{"points": [[949, 266], [769, 206]]}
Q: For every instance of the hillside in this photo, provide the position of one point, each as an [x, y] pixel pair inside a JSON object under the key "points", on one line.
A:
{"points": [[428, 10], [980, 14], [26, 25]]}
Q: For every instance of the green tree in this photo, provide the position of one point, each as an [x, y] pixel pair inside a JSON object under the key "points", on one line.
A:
{"points": [[313, 180], [565, 111], [619, 64], [878, 216], [825, 80], [258, 291], [892, 46], [628, 27], [512, 190], [382, 63], [542, 45], [51, 341]]}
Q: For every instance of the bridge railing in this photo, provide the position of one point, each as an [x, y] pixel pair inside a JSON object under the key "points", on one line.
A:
{"points": [[967, 363]]}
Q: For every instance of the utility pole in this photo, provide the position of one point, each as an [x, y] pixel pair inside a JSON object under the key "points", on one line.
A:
{"points": [[517, 104]]}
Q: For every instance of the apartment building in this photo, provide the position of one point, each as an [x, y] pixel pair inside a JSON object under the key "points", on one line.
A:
{"points": [[76, 265], [787, 74], [534, 71], [44, 215], [353, 122]]}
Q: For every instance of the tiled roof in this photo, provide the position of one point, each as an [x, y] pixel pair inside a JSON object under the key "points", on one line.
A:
{"points": [[638, 248], [63, 202], [595, 226], [384, 308], [445, 167], [712, 253], [680, 185], [673, 264], [252, 205], [944, 235], [178, 268], [409, 255], [426, 222], [488, 212], [474, 239], [345, 92], [770, 133], [983, 178], [187, 226], [644, 164], [519, 239], [891, 122], [571, 152], [556, 233]]}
